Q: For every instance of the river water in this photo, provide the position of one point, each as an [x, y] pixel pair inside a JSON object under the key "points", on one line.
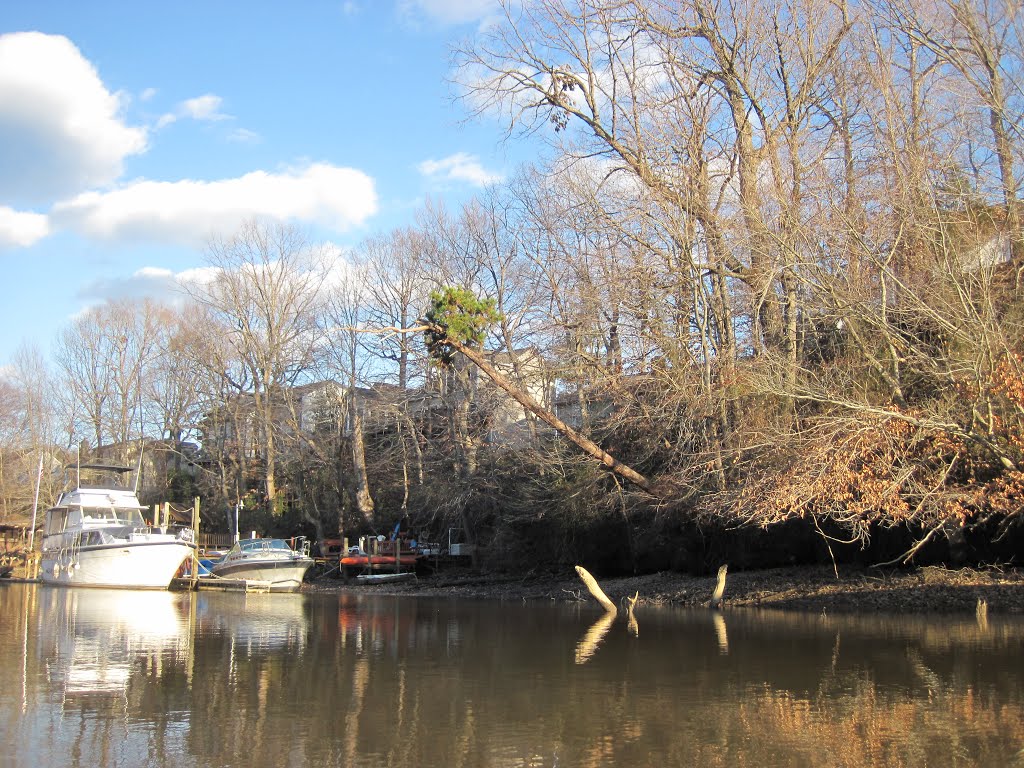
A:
{"points": [[122, 678]]}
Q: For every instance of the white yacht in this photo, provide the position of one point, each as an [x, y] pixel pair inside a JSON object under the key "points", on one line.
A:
{"points": [[267, 560], [96, 536]]}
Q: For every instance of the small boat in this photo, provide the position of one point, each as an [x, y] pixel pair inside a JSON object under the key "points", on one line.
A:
{"points": [[265, 560], [383, 578], [95, 536]]}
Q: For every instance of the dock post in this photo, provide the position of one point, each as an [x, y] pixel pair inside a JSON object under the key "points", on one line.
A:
{"points": [[195, 536]]}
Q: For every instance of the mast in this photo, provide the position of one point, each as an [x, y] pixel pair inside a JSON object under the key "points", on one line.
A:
{"points": [[35, 507]]}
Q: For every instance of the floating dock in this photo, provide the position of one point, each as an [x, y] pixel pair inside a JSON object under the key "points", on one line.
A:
{"points": [[221, 585]]}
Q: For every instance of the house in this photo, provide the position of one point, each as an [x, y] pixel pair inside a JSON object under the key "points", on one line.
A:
{"points": [[233, 430]]}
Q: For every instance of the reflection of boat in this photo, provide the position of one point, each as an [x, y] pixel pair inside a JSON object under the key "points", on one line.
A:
{"points": [[95, 536], [270, 560], [253, 621], [101, 633]]}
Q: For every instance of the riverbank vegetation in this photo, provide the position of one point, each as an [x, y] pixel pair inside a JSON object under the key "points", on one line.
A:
{"points": [[757, 302]]}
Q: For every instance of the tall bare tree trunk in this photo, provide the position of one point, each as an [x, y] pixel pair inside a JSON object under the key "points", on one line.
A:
{"points": [[364, 501]]}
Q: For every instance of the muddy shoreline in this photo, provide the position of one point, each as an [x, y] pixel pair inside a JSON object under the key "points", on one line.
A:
{"points": [[925, 590]]}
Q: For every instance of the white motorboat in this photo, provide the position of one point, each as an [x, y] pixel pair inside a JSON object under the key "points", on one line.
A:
{"points": [[266, 560], [96, 536]]}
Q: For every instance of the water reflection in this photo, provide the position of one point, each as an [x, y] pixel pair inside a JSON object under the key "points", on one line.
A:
{"points": [[101, 634], [721, 632], [591, 641], [254, 622], [277, 680]]}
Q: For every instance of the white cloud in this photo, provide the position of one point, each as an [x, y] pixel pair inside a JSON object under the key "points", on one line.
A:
{"points": [[61, 130], [244, 136], [205, 108], [20, 229], [148, 282], [191, 211], [197, 276], [448, 11], [460, 167], [156, 283]]}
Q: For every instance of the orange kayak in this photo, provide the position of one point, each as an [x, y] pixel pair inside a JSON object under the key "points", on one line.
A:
{"points": [[378, 559]]}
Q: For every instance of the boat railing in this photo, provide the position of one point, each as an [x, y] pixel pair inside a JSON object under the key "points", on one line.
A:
{"points": [[183, 533]]}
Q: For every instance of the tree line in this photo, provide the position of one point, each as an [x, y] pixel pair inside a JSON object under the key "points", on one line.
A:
{"points": [[768, 260]]}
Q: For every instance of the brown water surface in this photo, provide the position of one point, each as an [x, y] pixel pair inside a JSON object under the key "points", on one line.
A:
{"points": [[121, 678]]}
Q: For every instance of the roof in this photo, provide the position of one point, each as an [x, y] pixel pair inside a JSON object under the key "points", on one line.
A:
{"points": [[100, 467], [17, 525]]}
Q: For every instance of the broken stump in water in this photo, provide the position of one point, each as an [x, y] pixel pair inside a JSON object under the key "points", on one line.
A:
{"points": [[595, 590]]}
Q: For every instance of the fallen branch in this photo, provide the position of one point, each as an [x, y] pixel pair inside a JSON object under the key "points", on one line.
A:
{"points": [[596, 591], [907, 556]]}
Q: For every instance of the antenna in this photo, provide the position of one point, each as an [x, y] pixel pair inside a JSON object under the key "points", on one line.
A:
{"points": [[35, 507], [138, 467], [142, 442]]}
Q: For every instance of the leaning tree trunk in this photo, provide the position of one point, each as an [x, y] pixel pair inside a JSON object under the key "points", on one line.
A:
{"points": [[588, 446]]}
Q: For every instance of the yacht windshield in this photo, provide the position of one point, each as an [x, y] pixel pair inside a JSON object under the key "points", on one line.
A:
{"points": [[113, 516], [259, 545]]}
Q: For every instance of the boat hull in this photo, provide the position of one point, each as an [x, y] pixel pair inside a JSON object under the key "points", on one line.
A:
{"points": [[385, 578], [283, 575], [128, 565]]}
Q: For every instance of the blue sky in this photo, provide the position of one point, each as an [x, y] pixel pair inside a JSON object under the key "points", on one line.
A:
{"points": [[130, 132]]}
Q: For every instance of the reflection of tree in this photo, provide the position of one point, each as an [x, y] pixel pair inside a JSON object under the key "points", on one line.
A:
{"points": [[360, 679], [403, 683], [349, 680]]}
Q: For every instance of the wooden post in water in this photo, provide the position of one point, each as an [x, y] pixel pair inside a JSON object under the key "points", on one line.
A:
{"points": [[195, 537]]}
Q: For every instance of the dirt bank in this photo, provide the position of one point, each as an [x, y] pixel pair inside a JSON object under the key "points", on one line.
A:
{"points": [[926, 590]]}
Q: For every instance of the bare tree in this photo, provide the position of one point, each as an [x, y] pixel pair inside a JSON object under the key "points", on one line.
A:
{"points": [[392, 272], [104, 359], [267, 295], [977, 43], [28, 433], [346, 311]]}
